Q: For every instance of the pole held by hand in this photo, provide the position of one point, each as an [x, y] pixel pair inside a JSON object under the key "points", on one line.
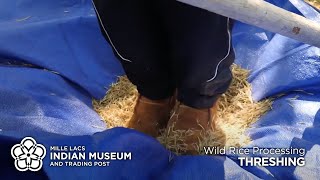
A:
{"points": [[266, 16]]}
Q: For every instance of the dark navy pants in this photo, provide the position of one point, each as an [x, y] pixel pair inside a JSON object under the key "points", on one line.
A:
{"points": [[165, 45]]}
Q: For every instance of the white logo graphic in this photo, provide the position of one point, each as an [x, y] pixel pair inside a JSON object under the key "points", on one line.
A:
{"points": [[28, 155]]}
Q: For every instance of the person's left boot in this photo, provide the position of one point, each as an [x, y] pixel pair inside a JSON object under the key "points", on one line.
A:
{"points": [[190, 125]]}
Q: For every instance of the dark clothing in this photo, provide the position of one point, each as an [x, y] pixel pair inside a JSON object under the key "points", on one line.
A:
{"points": [[165, 45]]}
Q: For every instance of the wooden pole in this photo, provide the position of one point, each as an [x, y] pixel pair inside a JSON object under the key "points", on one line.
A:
{"points": [[264, 15]]}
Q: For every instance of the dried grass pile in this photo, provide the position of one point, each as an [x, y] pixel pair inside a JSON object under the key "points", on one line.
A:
{"points": [[314, 3], [236, 111]]}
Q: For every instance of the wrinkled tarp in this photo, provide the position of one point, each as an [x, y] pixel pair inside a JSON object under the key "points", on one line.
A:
{"points": [[54, 60]]}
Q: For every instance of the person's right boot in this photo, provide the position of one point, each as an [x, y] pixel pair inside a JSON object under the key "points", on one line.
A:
{"points": [[193, 123], [150, 116]]}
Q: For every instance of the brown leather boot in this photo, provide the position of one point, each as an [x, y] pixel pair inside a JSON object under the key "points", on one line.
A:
{"points": [[188, 126], [150, 116]]}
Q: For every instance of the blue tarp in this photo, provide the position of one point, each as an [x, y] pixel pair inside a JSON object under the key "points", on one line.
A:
{"points": [[54, 60]]}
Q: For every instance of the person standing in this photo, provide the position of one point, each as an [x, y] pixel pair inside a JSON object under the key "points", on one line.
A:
{"points": [[178, 56]]}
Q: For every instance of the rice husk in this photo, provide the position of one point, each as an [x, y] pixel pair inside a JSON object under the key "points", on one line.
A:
{"points": [[236, 112]]}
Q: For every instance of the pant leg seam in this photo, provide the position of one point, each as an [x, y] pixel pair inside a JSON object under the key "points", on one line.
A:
{"points": [[103, 27], [228, 53]]}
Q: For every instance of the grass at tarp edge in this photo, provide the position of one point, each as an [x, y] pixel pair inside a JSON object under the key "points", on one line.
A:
{"points": [[314, 3]]}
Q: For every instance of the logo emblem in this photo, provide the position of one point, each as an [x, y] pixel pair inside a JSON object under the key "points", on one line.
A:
{"points": [[28, 155]]}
